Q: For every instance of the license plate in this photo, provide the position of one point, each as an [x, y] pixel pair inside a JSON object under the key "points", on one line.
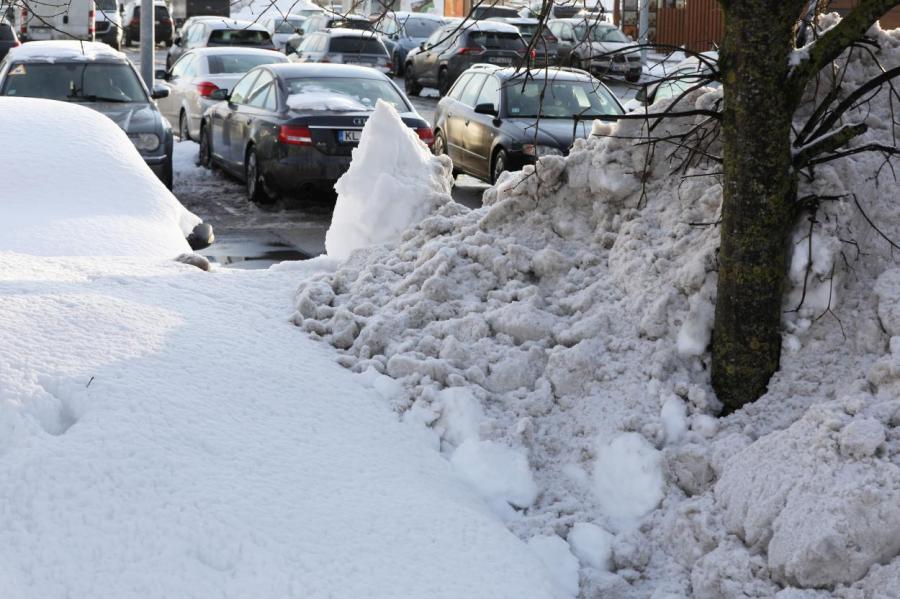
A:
{"points": [[500, 60], [349, 137]]}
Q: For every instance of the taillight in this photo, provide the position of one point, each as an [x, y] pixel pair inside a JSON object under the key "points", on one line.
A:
{"points": [[295, 135], [426, 135], [91, 22], [462, 51], [206, 88], [135, 22]]}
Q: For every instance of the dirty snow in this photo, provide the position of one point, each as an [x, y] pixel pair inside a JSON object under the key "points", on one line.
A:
{"points": [[576, 309]]}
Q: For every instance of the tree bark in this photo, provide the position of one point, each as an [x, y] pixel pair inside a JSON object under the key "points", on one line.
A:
{"points": [[758, 196]]}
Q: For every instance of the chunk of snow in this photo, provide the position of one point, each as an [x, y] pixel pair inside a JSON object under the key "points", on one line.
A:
{"points": [[628, 479], [324, 100], [592, 545], [560, 563], [76, 186], [674, 419], [461, 415], [393, 182], [498, 473]]}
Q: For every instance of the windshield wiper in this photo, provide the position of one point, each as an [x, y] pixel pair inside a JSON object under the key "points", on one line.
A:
{"points": [[95, 98]]}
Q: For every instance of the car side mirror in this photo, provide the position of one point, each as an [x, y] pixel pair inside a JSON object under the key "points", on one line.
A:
{"points": [[220, 94], [161, 74], [159, 91], [122, 9], [201, 237], [485, 108], [641, 95], [177, 41], [422, 46]]}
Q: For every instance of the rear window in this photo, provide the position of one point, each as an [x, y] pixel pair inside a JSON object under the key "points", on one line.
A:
{"points": [[529, 30], [350, 24], [232, 64], [289, 26], [108, 6], [238, 37], [420, 27], [497, 41], [355, 94], [6, 33], [356, 45], [160, 12], [483, 12]]}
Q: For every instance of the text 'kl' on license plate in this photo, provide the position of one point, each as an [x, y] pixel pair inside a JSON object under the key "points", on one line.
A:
{"points": [[500, 60], [347, 137]]}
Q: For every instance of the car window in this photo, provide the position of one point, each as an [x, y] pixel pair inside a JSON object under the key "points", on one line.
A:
{"points": [[490, 93], [288, 26], [238, 37], [75, 82], [259, 95], [496, 41], [419, 28], [6, 33], [362, 24], [435, 38], [389, 27], [198, 32], [180, 69], [460, 85], [160, 13], [357, 45], [233, 64], [317, 93], [271, 101], [243, 86], [561, 99], [471, 92]]}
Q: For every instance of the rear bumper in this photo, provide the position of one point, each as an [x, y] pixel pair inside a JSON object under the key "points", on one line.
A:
{"points": [[306, 166]]}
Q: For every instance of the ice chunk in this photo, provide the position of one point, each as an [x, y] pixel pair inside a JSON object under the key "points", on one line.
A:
{"points": [[560, 563], [592, 545], [628, 479], [498, 473]]}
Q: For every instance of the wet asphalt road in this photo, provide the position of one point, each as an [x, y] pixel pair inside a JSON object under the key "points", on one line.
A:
{"points": [[252, 236]]}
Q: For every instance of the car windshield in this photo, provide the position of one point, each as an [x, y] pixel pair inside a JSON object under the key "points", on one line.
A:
{"points": [[238, 37], [160, 13], [6, 33], [562, 99], [496, 41], [342, 93], [289, 25], [75, 82], [528, 30], [420, 27], [362, 24], [227, 64], [600, 33], [107, 6], [357, 45]]}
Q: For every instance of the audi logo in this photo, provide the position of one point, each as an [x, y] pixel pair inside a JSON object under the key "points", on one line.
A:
{"points": [[359, 121]]}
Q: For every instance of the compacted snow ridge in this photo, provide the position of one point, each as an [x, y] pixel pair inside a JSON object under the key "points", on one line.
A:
{"points": [[553, 346]]}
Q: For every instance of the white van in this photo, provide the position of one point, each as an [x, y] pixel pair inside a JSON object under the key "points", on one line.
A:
{"points": [[57, 20], [109, 23]]}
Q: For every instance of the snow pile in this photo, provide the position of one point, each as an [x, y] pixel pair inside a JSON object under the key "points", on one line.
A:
{"points": [[88, 193], [568, 321], [392, 183], [252, 10]]}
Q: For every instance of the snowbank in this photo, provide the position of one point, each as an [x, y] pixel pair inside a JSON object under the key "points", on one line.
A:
{"points": [[392, 183], [166, 433], [576, 308], [87, 192]]}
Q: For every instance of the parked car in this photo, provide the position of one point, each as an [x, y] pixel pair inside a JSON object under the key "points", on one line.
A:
{"points": [[108, 23], [8, 38], [453, 48], [333, 20], [687, 74], [596, 47], [96, 76], [196, 19], [496, 119], [283, 28], [183, 10], [546, 49], [57, 20], [285, 128], [220, 32], [343, 46], [164, 27], [197, 74], [403, 31]]}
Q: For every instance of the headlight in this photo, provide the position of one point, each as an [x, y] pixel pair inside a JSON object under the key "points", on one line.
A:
{"points": [[145, 142], [538, 150]]}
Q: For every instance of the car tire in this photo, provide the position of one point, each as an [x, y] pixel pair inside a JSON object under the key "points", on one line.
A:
{"points": [[498, 165], [256, 191], [168, 43], [439, 147], [168, 177], [398, 66], [184, 129], [443, 82], [205, 158], [127, 41], [412, 86]]}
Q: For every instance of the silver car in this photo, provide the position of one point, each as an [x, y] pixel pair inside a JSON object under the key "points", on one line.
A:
{"points": [[200, 72], [283, 28], [345, 46]]}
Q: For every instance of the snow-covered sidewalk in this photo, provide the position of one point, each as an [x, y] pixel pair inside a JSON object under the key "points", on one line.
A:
{"points": [[165, 432]]}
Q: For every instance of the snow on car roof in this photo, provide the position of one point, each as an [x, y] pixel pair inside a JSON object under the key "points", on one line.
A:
{"points": [[64, 50], [490, 26], [232, 50], [235, 24], [81, 188]]}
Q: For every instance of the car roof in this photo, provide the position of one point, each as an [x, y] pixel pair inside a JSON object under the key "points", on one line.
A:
{"points": [[234, 24], [341, 32], [336, 15], [314, 69], [488, 26], [584, 19], [556, 73], [232, 50], [68, 50], [514, 20], [403, 14]]}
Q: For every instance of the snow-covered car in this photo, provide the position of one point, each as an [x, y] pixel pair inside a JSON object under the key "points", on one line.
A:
{"points": [[197, 74], [96, 76], [596, 47], [82, 188]]}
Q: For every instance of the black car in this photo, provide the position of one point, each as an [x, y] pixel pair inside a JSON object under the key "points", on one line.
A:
{"points": [[495, 119], [8, 38], [96, 76], [164, 26], [455, 47], [286, 128]]}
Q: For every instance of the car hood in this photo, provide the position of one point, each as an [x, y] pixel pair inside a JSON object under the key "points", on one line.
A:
{"points": [[552, 132], [132, 117]]}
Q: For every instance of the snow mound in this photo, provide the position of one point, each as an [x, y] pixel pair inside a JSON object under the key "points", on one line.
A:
{"points": [[499, 474], [85, 193], [393, 182], [576, 306], [560, 563]]}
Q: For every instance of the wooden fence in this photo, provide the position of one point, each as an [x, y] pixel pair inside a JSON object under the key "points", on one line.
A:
{"points": [[697, 25]]}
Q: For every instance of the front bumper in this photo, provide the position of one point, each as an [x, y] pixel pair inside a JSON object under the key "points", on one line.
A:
{"points": [[158, 164], [630, 71]]}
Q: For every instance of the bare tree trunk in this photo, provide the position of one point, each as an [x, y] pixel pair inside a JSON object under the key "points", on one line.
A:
{"points": [[759, 190]]}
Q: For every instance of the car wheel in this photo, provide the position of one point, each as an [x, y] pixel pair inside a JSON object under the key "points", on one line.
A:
{"points": [[168, 43], [205, 158], [184, 129], [499, 165], [439, 148], [255, 188], [443, 82], [167, 177], [412, 86], [127, 41], [398, 66]]}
